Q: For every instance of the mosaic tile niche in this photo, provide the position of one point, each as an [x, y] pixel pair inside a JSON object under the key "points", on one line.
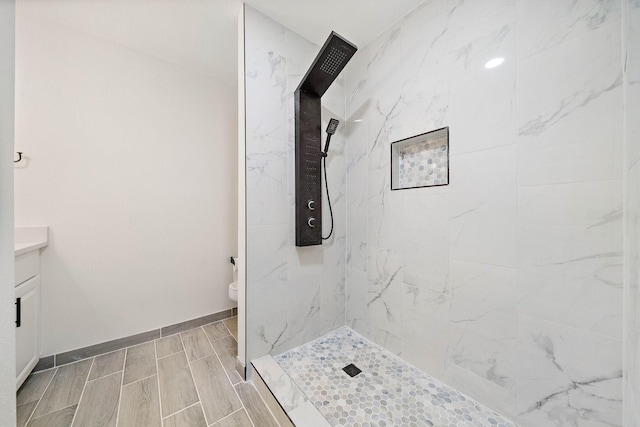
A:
{"points": [[421, 161]]}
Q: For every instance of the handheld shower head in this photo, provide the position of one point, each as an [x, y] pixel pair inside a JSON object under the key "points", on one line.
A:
{"points": [[331, 129], [333, 125]]}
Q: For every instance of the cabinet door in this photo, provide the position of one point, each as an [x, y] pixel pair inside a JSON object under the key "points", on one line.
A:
{"points": [[28, 334]]}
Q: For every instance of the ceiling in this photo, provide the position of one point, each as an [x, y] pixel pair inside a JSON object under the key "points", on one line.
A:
{"points": [[202, 34]]}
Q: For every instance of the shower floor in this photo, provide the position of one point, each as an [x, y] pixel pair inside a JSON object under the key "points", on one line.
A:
{"points": [[388, 391]]}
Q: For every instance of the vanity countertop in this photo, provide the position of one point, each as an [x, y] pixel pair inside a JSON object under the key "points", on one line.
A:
{"points": [[28, 239]]}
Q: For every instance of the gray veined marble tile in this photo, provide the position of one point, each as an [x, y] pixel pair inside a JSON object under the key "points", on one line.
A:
{"points": [[23, 413], [140, 363], [546, 24], [190, 417], [35, 385], [169, 345], [65, 388], [217, 394], [237, 419], [60, 418], [177, 390], [227, 350], [254, 404], [232, 324], [140, 404], [196, 344], [215, 331], [107, 364], [99, 404], [567, 376]]}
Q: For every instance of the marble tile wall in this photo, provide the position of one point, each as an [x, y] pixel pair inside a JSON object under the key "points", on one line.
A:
{"points": [[506, 284], [294, 294], [631, 36]]}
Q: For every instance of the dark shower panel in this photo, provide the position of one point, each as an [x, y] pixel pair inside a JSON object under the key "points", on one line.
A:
{"points": [[333, 57]]}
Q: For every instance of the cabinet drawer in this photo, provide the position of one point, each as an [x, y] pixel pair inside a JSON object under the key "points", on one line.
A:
{"points": [[27, 266]]}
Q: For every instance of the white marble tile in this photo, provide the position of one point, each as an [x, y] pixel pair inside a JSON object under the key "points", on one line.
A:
{"points": [[406, 83], [384, 212], [544, 24], [482, 102], [632, 216], [567, 376], [464, 14], [426, 330], [425, 240], [266, 182], [357, 215], [384, 298], [571, 254], [265, 82], [288, 394], [357, 291], [266, 334], [482, 207], [481, 355], [569, 120]]}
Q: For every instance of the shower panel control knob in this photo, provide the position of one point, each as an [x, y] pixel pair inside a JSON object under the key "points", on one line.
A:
{"points": [[311, 205], [311, 222]]}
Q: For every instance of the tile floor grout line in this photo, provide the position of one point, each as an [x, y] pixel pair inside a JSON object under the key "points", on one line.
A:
{"points": [[227, 416], [141, 379], [121, 386], [155, 350], [75, 414], [220, 360], [181, 410], [40, 399], [233, 387], [243, 407], [263, 401], [193, 378], [226, 327], [36, 418]]}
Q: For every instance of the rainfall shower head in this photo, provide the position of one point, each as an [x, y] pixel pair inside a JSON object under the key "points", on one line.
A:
{"points": [[333, 57]]}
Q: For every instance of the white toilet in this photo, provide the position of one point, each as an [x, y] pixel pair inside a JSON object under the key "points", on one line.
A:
{"points": [[233, 286]]}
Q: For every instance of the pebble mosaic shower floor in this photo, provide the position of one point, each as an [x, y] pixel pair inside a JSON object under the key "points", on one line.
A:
{"points": [[388, 392]]}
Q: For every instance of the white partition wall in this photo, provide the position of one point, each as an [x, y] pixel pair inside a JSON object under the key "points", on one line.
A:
{"points": [[293, 294]]}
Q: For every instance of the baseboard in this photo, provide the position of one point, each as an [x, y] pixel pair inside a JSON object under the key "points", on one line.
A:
{"points": [[48, 362]]}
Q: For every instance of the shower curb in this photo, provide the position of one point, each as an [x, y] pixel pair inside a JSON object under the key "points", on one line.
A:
{"points": [[286, 401]]}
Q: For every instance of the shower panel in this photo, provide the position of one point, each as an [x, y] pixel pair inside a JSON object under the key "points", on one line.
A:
{"points": [[333, 57]]}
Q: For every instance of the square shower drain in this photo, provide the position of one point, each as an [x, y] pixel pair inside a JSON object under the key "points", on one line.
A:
{"points": [[351, 370]]}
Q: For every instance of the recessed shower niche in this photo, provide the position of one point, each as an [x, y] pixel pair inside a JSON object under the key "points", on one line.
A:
{"points": [[421, 161]]}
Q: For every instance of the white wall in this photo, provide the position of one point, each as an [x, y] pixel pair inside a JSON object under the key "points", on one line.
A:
{"points": [[506, 284], [131, 161], [7, 293], [294, 294]]}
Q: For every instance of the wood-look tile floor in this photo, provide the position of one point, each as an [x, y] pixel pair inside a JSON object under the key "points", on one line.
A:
{"points": [[183, 380]]}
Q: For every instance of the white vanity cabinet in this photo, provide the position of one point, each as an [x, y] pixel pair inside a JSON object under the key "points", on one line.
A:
{"points": [[27, 308]]}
